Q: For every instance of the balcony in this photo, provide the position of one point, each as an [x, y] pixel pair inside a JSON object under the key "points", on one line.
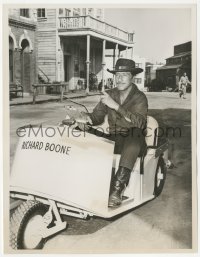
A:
{"points": [[90, 23]]}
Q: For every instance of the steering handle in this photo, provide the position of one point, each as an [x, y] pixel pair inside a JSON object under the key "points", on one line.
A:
{"points": [[68, 122]]}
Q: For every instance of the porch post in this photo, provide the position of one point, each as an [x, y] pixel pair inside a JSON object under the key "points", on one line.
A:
{"points": [[115, 57], [103, 65], [132, 53], [57, 46], [126, 52], [115, 52], [88, 63]]}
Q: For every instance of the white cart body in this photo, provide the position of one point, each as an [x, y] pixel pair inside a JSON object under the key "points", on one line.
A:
{"points": [[80, 176]]}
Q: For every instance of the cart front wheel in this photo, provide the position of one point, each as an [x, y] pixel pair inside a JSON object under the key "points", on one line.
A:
{"points": [[160, 176], [27, 224]]}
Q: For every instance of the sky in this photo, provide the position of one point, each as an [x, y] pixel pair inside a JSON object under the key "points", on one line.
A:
{"points": [[156, 30]]}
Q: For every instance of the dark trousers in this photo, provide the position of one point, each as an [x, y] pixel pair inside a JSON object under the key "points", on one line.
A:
{"points": [[129, 145]]}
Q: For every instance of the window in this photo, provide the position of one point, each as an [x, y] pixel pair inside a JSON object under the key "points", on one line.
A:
{"points": [[84, 11], [170, 61], [24, 13], [138, 65], [148, 69], [138, 80], [67, 12], [61, 11], [91, 11], [99, 14], [41, 13], [76, 12]]}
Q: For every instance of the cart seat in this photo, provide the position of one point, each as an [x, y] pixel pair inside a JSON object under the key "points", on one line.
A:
{"points": [[151, 139], [151, 132], [151, 135]]}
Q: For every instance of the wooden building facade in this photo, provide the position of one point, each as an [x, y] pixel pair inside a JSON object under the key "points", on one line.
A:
{"points": [[176, 65], [72, 42], [22, 47]]}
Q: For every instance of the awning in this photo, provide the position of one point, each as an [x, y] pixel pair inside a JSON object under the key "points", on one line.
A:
{"points": [[169, 67], [179, 55]]}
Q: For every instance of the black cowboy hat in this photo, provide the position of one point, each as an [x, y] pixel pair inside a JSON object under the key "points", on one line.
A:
{"points": [[125, 65]]}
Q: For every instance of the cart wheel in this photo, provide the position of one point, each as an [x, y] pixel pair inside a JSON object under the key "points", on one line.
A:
{"points": [[160, 176], [26, 226]]}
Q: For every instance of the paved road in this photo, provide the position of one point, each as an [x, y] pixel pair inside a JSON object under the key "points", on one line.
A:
{"points": [[164, 223]]}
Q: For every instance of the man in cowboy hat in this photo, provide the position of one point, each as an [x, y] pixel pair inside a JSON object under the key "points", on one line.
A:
{"points": [[126, 108]]}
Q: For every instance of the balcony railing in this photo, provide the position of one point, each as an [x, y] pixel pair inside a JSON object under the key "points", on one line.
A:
{"points": [[88, 22]]}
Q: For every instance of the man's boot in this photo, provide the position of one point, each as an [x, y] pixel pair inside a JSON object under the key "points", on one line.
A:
{"points": [[121, 180]]}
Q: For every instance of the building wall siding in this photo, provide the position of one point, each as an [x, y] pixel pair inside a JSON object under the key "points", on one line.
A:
{"points": [[171, 76], [15, 13], [46, 42], [20, 26]]}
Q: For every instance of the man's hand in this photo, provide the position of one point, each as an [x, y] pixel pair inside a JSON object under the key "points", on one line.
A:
{"points": [[83, 126], [82, 121], [107, 100], [84, 118]]}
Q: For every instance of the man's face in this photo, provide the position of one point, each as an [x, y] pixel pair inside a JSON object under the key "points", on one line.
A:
{"points": [[184, 74], [123, 80]]}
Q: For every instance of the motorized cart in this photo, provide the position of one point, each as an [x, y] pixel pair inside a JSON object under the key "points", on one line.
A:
{"points": [[61, 171]]}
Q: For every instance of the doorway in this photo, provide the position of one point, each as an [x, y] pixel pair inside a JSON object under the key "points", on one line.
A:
{"points": [[68, 71], [67, 59], [25, 66], [11, 60]]}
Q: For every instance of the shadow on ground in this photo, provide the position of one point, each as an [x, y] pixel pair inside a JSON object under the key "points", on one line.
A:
{"points": [[170, 213]]}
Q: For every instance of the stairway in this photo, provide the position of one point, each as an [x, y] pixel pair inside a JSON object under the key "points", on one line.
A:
{"points": [[42, 77]]}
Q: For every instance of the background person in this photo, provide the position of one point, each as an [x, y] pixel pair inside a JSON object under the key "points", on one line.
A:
{"points": [[184, 81]]}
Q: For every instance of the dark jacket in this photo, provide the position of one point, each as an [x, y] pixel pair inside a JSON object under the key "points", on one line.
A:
{"points": [[132, 113]]}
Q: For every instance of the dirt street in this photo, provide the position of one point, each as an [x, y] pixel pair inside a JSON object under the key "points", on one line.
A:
{"points": [[164, 223]]}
